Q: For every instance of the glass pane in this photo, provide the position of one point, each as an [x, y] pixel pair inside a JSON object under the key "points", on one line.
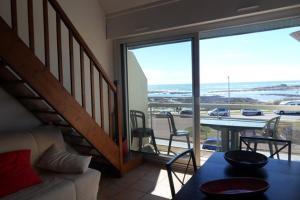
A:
{"points": [[160, 86], [253, 78]]}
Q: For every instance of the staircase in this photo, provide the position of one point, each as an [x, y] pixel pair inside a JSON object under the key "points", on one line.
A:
{"points": [[89, 111]]}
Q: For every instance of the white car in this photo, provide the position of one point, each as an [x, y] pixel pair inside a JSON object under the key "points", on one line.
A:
{"points": [[218, 112], [289, 103], [251, 112]]}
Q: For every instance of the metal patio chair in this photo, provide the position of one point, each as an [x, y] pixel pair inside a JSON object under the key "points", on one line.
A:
{"points": [[175, 132], [171, 171], [139, 130]]}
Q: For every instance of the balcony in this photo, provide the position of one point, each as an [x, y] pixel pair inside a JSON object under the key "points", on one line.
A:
{"points": [[288, 127]]}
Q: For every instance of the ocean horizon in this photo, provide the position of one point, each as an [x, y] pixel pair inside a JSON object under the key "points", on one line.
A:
{"points": [[221, 89]]}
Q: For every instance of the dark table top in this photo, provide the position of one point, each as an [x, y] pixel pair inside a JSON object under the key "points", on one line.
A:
{"points": [[282, 176]]}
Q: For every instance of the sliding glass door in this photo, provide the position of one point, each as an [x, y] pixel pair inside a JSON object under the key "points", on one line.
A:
{"points": [[160, 92]]}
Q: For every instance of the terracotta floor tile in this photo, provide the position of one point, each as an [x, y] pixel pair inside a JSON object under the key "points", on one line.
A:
{"points": [[144, 186], [129, 195], [152, 197], [146, 182]]}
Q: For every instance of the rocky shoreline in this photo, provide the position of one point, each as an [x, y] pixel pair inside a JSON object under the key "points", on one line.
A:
{"points": [[267, 88], [204, 99]]}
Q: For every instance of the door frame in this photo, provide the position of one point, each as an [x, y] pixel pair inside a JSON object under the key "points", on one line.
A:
{"points": [[122, 75]]}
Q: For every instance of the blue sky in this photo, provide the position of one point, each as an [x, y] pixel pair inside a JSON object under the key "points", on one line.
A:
{"points": [[264, 56]]}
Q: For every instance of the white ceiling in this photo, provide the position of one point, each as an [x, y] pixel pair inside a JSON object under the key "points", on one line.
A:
{"points": [[112, 6]]}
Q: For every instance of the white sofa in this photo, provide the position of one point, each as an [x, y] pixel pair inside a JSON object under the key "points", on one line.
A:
{"points": [[55, 186]]}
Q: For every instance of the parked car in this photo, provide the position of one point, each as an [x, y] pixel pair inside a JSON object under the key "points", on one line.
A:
{"points": [[288, 103], [161, 114], [212, 144], [218, 112], [186, 114], [251, 112]]}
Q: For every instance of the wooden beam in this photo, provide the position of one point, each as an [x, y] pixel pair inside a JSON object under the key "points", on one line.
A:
{"points": [[28, 98], [92, 88], [14, 16], [44, 112], [30, 24], [46, 34], [109, 113], [31, 69], [12, 82], [101, 100], [82, 78], [72, 72], [59, 51]]}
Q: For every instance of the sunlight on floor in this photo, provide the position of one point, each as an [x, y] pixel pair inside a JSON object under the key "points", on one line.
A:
{"points": [[147, 182]]}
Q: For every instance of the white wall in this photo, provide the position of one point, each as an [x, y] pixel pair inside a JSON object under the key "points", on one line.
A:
{"points": [[137, 86], [89, 19], [13, 115]]}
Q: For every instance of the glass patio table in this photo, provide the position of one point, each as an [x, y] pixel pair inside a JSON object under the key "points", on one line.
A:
{"points": [[230, 128]]}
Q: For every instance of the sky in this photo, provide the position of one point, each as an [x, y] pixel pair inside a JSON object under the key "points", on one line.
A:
{"points": [[263, 56]]}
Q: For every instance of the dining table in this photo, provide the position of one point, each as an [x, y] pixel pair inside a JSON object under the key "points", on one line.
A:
{"points": [[231, 127], [283, 177]]}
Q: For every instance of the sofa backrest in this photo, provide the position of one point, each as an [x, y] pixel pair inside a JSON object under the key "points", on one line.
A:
{"points": [[38, 140]]}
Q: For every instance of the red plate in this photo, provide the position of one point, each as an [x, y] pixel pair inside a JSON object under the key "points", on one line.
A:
{"points": [[234, 187]]}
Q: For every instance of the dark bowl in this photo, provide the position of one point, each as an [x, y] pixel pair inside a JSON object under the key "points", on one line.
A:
{"points": [[246, 159], [234, 187]]}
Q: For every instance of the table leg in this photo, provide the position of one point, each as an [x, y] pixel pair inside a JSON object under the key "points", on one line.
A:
{"points": [[234, 140], [225, 140]]}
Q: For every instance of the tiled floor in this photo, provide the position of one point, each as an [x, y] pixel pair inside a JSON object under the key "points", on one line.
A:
{"points": [[147, 182]]}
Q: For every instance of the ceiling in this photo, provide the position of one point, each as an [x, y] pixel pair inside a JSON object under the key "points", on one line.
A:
{"points": [[113, 6]]}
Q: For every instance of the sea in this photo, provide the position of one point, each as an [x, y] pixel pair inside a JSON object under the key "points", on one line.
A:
{"points": [[221, 89]]}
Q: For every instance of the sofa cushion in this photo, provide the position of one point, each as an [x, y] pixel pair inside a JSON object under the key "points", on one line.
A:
{"points": [[46, 136], [16, 172], [88, 181], [52, 188], [12, 141], [62, 161]]}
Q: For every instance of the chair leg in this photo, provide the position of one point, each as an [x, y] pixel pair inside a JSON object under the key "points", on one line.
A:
{"points": [[188, 141], [276, 149], [170, 142], [140, 142], [247, 146], [154, 142], [271, 149], [255, 146]]}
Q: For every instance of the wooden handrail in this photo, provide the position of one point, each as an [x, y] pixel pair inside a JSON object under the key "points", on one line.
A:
{"points": [[82, 43]]}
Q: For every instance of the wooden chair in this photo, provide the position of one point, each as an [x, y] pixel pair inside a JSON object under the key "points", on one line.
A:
{"points": [[270, 131], [175, 132], [285, 143], [139, 130], [171, 172]]}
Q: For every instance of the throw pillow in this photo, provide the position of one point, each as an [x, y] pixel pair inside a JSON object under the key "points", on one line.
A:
{"points": [[62, 161], [16, 172]]}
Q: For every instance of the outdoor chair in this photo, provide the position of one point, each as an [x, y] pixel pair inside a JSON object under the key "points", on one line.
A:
{"points": [[269, 132], [284, 143], [171, 172], [175, 132], [139, 130]]}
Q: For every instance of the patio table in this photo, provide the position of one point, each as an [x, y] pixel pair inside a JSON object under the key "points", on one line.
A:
{"points": [[283, 177], [231, 127]]}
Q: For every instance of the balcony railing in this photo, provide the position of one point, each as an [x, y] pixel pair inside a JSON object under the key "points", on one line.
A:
{"points": [[289, 126]]}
